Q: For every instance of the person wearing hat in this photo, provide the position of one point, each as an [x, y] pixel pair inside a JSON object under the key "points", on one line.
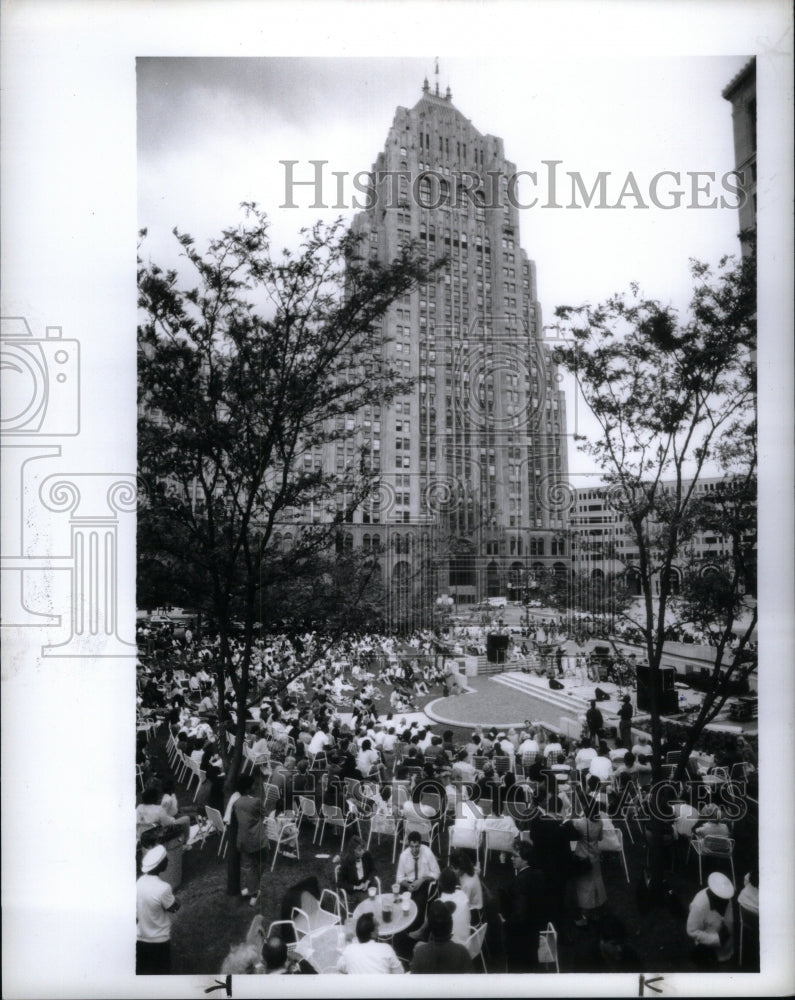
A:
{"points": [[154, 903], [625, 721], [710, 921]]}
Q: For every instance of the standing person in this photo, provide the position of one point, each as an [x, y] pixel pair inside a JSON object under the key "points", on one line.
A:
{"points": [[710, 922], [588, 884], [470, 883], [625, 721], [552, 842], [595, 722], [525, 910], [250, 812], [154, 903]]}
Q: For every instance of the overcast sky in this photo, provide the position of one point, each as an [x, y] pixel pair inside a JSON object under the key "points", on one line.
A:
{"points": [[212, 133]]}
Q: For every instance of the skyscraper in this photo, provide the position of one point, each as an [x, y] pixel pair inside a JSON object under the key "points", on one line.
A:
{"points": [[473, 459]]}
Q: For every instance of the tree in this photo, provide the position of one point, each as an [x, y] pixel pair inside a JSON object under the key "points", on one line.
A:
{"points": [[249, 364], [671, 396]]}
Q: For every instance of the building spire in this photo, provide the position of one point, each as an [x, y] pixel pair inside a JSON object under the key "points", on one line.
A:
{"points": [[436, 73], [425, 86]]}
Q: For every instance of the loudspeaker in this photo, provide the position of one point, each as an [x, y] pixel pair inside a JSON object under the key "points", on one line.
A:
{"points": [[496, 648], [667, 698]]}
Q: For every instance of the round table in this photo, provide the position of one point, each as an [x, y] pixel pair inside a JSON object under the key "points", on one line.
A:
{"points": [[401, 919]]}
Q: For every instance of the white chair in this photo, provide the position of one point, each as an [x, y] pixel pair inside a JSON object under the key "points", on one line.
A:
{"points": [[474, 944], [256, 933], [307, 810], [339, 900], [548, 947], [464, 835], [308, 922], [217, 821], [274, 929], [334, 816], [612, 841], [281, 835], [342, 895], [388, 826], [713, 846], [497, 840], [427, 830]]}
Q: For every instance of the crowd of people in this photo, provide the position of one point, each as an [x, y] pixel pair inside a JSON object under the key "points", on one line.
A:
{"points": [[541, 791]]}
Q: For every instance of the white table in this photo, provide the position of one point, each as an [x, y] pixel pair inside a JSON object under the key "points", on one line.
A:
{"points": [[401, 919]]}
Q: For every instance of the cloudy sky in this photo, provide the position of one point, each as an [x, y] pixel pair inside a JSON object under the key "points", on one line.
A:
{"points": [[212, 133]]}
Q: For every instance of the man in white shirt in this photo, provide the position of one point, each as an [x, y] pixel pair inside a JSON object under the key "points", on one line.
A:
{"points": [[601, 765], [527, 744], [417, 867], [584, 756], [154, 904], [367, 955]]}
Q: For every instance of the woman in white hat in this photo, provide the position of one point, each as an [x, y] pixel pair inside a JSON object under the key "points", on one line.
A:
{"points": [[710, 922]]}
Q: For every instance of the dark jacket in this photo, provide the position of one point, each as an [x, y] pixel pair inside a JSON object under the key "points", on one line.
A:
{"points": [[347, 874], [526, 914], [250, 813], [440, 956], [552, 842]]}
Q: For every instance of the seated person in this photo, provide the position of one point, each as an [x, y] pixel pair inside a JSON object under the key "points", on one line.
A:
{"points": [[366, 954], [711, 823], [151, 817], [440, 953], [417, 867], [357, 869], [277, 961]]}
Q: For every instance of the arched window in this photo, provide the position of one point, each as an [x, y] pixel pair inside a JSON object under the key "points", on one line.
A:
{"points": [[366, 543]]}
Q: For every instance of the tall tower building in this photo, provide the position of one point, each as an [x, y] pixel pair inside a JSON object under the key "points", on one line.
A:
{"points": [[473, 460]]}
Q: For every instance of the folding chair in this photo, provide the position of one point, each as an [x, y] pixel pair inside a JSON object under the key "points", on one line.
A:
{"points": [[274, 928], [389, 826], [281, 834], [334, 816], [474, 944], [427, 830], [217, 820], [307, 810], [497, 840], [468, 836], [256, 933], [713, 846], [548, 947], [612, 841]]}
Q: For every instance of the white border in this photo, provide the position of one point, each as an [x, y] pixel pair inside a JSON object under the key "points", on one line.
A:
{"points": [[69, 218]]}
